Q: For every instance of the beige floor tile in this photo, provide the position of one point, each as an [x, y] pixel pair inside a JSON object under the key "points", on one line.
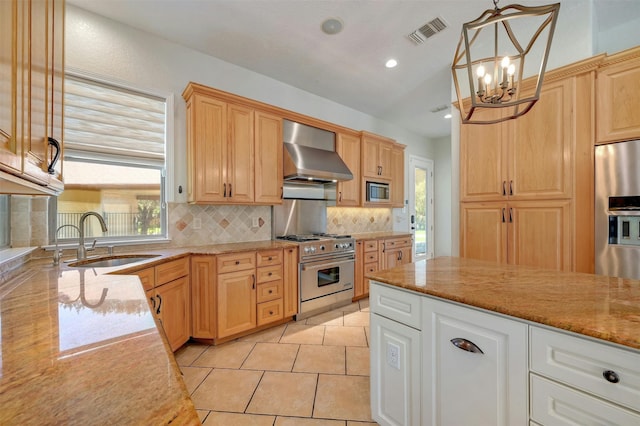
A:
{"points": [[227, 355], [202, 414], [299, 421], [217, 418], [364, 305], [356, 318], [269, 335], [193, 376], [357, 361], [342, 397], [320, 359], [271, 356], [303, 334], [284, 394], [326, 318], [353, 307], [226, 390], [187, 354], [345, 336]]}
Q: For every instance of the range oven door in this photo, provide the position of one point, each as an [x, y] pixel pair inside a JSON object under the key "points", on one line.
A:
{"points": [[324, 277]]}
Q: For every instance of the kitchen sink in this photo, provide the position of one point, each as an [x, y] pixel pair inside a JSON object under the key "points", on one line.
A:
{"points": [[111, 261]]}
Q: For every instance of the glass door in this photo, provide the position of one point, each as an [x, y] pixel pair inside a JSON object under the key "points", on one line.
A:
{"points": [[421, 206]]}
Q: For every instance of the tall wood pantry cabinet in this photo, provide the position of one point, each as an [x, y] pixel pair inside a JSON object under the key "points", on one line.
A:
{"points": [[526, 185], [31, 86]]}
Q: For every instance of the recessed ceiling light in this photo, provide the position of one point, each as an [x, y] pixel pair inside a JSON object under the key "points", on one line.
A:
{"points": [[391, 63], [332, 26], [447, 115]]}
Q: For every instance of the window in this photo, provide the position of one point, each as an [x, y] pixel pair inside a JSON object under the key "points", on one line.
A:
{"points": [[114, 161]]}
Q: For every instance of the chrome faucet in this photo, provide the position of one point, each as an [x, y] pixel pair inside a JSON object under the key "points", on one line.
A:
{"points": [[57, 254], [82, 250]]}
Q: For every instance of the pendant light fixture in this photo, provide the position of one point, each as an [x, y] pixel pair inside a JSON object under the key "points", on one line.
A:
{"points": [[495, 51]]}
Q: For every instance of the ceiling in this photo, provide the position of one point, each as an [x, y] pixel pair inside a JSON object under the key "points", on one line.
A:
{"points": [[283, 39]]}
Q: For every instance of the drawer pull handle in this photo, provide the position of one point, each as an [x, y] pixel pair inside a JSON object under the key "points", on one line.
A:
{"points": [[270, 291], [611, 376], [466, 345], [270, 258], [237, 262], [270, 312], [270, 273]]}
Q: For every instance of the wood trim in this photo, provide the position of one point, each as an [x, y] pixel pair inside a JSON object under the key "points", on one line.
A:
{"points": [[622, 56]]}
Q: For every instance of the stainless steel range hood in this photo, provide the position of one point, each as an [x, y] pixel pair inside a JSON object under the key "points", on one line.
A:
{"points": [[310, 155]]}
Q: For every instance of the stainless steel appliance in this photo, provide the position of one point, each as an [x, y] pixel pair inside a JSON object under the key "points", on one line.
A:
{"points": [[310, 155], [378, 192], [617, 210], [325, 262]]}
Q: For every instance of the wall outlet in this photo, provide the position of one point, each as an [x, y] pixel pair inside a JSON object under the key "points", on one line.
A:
{"points": [[393, 355], [255, 222], [197, 223]]}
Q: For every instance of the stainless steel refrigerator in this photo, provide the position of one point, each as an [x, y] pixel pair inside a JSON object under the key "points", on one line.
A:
{"points": [[617, 209]]}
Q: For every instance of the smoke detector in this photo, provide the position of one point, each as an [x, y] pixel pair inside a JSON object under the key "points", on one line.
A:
{"points": [[428, 30]]}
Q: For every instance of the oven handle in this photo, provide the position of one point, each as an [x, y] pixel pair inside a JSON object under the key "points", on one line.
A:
{"points": [[335, 262]]}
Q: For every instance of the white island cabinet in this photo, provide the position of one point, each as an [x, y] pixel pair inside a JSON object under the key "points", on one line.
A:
{"points": [[477, 367]]}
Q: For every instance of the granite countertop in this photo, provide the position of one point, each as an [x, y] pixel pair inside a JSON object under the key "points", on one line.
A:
{"points": [[80, 345], [377, 235], [593, 305]]}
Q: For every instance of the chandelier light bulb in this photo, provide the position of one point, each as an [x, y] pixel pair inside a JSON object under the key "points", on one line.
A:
{"points": [[480, 71], [511, 70], [505, 62], [487, 79]]}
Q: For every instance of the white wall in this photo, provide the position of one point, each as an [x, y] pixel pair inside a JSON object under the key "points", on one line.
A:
{"points": [[104, 47]]}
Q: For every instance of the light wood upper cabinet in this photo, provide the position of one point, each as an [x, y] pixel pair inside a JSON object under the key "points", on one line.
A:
{"points": [[348, 148], [238, 183], [31, 74], [618, 97], [234, 151], [540, 145], [483, 159], [397, 180], [376, 156], [11, 85], [206, 148], [526, 158], [268, 158]]}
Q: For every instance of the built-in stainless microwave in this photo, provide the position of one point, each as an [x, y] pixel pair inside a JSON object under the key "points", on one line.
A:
{"points": [[378, 192]]}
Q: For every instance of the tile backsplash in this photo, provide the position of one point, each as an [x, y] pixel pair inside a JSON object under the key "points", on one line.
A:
{"points": [[193, 225]]}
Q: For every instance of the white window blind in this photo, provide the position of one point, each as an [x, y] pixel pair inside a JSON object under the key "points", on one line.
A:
{"points": [[113, 123]]}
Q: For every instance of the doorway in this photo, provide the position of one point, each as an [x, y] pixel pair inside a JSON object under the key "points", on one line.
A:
{"points": [[421, 206]]}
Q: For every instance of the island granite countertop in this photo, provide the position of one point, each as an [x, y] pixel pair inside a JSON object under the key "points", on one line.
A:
{"points": [[602, 307]]}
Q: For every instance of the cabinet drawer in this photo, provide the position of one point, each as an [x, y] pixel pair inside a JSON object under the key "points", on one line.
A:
{"points": [[170, 271], [147, 278], [371, 245], [371, 256], [397, 305], [269, 273], [236, 262], [581, 363], [553, 404], [397, 243], [370, 267], [270, 311], [269, 291], [269, 257]]}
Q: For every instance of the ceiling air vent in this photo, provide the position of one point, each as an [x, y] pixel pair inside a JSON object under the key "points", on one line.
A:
{"points": [[429, 29]]}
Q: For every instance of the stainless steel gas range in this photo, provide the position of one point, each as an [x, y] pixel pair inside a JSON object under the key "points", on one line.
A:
{"points": [[325, 272], [325, 262]]}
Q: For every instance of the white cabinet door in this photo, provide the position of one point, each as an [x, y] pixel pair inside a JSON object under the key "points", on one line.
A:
{"points": [[463, 387], [395, 372]]}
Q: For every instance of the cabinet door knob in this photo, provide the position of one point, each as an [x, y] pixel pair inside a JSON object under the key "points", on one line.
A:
{"points": [[270, 291], [504, 187], [270, 312], [611, 376], [510, 187], [466, 345], [270, 273], [159, 304], [51, 167], [230, 191], [237, 262], [270, 258], [224, 185]]}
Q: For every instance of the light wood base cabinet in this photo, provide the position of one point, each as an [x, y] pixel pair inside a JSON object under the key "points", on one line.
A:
{"points": [[203, 297], [168, 289]]}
